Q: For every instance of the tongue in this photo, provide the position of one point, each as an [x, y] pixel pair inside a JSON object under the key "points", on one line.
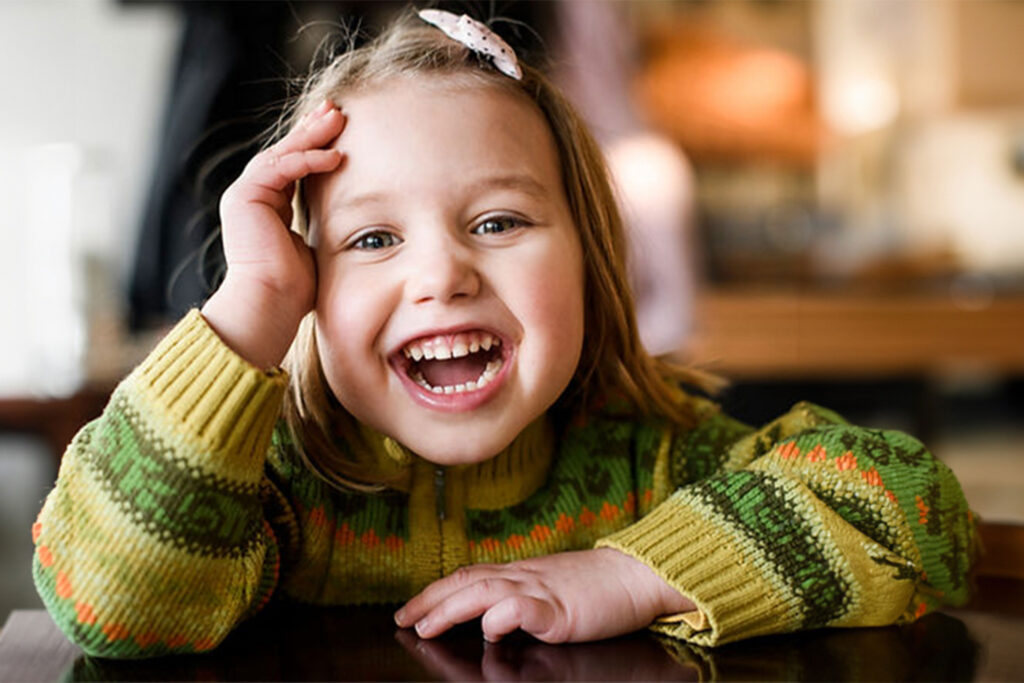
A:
{"points": [[448, 373]]}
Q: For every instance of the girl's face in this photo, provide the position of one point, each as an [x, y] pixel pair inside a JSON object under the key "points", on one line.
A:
{"points": [[450, 292]]}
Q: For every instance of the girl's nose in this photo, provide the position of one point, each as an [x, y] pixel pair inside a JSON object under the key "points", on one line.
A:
{"points": [[446, 273]]}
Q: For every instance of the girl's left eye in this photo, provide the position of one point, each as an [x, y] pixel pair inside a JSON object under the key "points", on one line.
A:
{"points": [[498, 224]]}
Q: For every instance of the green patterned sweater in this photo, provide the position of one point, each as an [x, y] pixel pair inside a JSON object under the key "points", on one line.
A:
{"points": [[184, 508]]}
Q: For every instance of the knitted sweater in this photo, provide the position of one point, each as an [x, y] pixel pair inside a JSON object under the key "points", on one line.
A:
{"points": [[183, 509]]}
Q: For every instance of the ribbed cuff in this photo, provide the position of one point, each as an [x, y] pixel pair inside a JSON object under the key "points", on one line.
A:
{"points": [[207, 390], [693, 556]]}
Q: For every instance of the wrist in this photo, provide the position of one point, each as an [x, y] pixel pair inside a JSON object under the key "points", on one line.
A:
{"points": [[649, 589], [254, 324]]}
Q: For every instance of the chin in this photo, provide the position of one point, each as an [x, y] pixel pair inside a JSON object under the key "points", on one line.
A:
{"points": [[456, 449]]}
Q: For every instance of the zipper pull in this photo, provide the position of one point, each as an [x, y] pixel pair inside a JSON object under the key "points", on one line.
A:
{"points": [[439, 492]]}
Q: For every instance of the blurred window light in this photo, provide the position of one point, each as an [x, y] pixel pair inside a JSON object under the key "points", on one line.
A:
{"points": [[45, 344], [957, 181], [861, 103], [655, 188], [651, 175]]}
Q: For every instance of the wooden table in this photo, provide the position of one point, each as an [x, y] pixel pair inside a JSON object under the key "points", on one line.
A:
{"points": [[56, 420], [305, 643], [798, 334]]}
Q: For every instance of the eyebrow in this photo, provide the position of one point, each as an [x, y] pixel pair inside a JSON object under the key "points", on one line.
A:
{"points": [[516, 181]]}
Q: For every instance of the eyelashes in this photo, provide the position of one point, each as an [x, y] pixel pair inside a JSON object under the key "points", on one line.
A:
{"points": [[499, 224], [374, 240], [377, 239]]}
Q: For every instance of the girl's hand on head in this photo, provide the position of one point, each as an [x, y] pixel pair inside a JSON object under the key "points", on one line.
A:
{"points": [[566, 597], [271, 278]]}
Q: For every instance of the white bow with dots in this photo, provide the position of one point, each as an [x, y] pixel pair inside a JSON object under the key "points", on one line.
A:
{"points": [[477, 37]]}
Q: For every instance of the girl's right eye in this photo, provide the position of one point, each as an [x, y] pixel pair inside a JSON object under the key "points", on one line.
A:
{"points": [[374, 240]]}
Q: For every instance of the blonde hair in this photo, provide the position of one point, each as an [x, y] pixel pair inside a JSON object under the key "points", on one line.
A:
{"points": [[612, 364]]}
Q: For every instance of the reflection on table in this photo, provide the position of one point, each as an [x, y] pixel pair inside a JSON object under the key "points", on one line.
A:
{"points": [[294, 642], [328, 645]]}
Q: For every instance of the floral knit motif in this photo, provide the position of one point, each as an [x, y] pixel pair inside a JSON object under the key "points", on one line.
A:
{"points": [[183, 510]]}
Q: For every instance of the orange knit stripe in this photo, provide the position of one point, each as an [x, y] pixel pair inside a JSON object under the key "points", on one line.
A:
{"points": [[872, 477], [370, 539], [630, 505], [86, 614], [269, 530], [788, 451], [846, 461], [817, 454], [317, 516], [204, 644], [115, 632], [923, 510], [63, 586], [177, 641], [146, 639], [565, 524], [344, 534], [609, 512]]}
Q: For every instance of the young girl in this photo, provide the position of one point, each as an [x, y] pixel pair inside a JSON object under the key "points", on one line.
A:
{"points": [[468, 424]]}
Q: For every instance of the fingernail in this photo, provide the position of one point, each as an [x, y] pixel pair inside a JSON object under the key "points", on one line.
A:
{"points": [[330, 107], [421, 627], [400, 617]]}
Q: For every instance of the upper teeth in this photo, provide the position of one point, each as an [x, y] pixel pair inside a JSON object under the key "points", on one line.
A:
{"points": [[453, 346]]}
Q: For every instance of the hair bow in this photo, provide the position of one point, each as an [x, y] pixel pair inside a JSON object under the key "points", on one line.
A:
{"points": [[477, 37]]}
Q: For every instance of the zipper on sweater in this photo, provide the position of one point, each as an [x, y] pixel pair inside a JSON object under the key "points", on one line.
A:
{"points": [[439, 493], [439, 509]]}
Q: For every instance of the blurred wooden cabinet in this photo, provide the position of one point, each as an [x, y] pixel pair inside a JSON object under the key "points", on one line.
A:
{"points": [[55, 420], [752, 334]]}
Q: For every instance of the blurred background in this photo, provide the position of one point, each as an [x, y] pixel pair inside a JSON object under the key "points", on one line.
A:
{"points": [[825, 201]]}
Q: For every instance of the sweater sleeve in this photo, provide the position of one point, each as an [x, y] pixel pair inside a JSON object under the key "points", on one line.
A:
{"points": [[153, 540], [808, 522]]}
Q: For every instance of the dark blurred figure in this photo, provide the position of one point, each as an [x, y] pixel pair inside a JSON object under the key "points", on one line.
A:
{"points": [[234, 66]]}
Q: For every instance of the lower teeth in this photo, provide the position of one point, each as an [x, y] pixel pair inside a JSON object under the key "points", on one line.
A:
{"points": [[485, 378]]}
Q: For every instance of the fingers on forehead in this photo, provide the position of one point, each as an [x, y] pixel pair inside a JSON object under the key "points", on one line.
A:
{"points": [[315, 131], [277, 171]]}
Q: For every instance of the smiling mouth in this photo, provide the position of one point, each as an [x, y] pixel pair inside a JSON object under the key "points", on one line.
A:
{"points": [[454, 364]]}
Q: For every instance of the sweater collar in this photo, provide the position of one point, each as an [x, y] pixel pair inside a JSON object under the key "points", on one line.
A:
{"points": [[506, 479]]}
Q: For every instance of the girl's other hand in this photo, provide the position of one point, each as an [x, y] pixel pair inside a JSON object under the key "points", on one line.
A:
{"points": [[565, 597], [271, 279]]}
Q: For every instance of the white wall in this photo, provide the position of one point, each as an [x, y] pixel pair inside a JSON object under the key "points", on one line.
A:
{"points": [[82, 86]]}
